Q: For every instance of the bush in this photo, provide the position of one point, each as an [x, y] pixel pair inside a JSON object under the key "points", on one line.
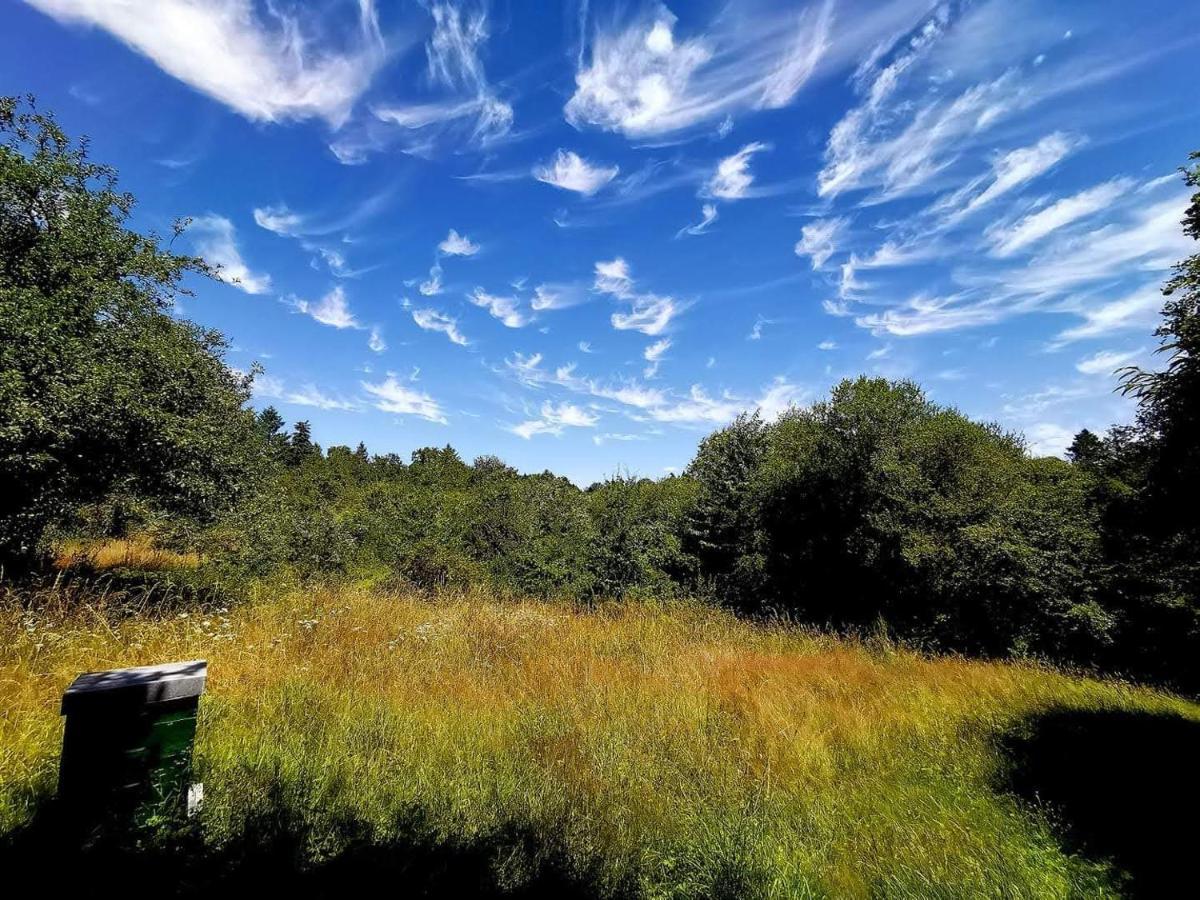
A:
{"points": [[879, 503]]}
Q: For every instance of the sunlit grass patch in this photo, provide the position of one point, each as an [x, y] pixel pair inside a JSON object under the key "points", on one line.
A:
{"points": [[138, 553], [667, 750]]}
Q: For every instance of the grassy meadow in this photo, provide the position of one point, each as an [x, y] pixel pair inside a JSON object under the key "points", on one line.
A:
{"points": [[634, 749]]}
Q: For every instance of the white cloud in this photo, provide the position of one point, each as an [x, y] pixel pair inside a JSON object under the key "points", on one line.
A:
{"points": [[452, 49], [1009, 171], [467, 112], [506, 309], [697, 407], [571, 172], [655, 351], [653, 354], [1074, 271], [648, 313], [810, 43], [1133, 311], [1030, 406], [278, 219], [1105, 362], [269, 387], [453, 55], [612, 277], [268, 67], [554, 418], [215, 240], [857, 152], [1148, 240], [481, 120], [600, 439], [818, 240], [931, 97], [432, 320], [732, 179], [779, 396], [827, 345], [1007, 240], [527, 369], [708, 215], [640, 79], [393, 397], [376, 342], [432, 286], [927, 314], [332, 309], [700, 408], [556, 296], [456, 244], [1048, 439]]}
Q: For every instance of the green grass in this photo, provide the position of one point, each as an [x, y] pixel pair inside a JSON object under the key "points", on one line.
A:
{"points": [[665, 751]]}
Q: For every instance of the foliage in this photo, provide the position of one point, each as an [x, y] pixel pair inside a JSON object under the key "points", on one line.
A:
{"points": [[101, 391], [1148, 476], [879, 503]]}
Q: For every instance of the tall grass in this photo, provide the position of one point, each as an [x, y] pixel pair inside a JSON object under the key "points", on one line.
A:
{"points": [[657, 750]]}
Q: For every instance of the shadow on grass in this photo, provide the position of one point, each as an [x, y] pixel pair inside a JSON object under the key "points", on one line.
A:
{"points": [[276, 855], [1120, 786]]}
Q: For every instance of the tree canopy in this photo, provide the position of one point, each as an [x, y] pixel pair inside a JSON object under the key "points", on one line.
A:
{"points": [[101, 389]]}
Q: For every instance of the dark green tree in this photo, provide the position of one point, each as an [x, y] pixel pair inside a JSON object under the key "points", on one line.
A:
{"points": [[101, 390], [1169, 398], [300, 445]]}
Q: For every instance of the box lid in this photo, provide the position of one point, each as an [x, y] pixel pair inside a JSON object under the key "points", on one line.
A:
{"points": [[136, 687]]}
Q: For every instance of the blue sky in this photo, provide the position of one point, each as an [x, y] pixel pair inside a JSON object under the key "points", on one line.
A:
{"points": [[582, 235]]}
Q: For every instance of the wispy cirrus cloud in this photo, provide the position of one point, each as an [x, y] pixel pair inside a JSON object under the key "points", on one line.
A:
{"points": [[732, 178], [819, 240], [457, 244], [554, 419], [1136, 310], [1007, 239], [269, 387], [376, 343], [1086, 269], [648, 313], [1010, 171], [506, 309], [268, 65], [1106, 362], [279, 220], [708, 215], [333, 309], [393, 396], [695, 408], [571, 172], [475, 111], [466, 111], [654, 355], [215, 240], [548, 297], [433, 320], [431, 286], [639, 78]]}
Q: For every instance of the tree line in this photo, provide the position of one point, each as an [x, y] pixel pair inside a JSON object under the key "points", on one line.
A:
{"points": [[874, 505]]}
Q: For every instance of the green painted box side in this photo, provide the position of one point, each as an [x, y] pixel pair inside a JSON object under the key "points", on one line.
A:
{"points": [[134, 761]]}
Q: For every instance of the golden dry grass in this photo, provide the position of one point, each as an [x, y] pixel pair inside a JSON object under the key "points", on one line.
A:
{"points": [[136, 552], [669, 750]]}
